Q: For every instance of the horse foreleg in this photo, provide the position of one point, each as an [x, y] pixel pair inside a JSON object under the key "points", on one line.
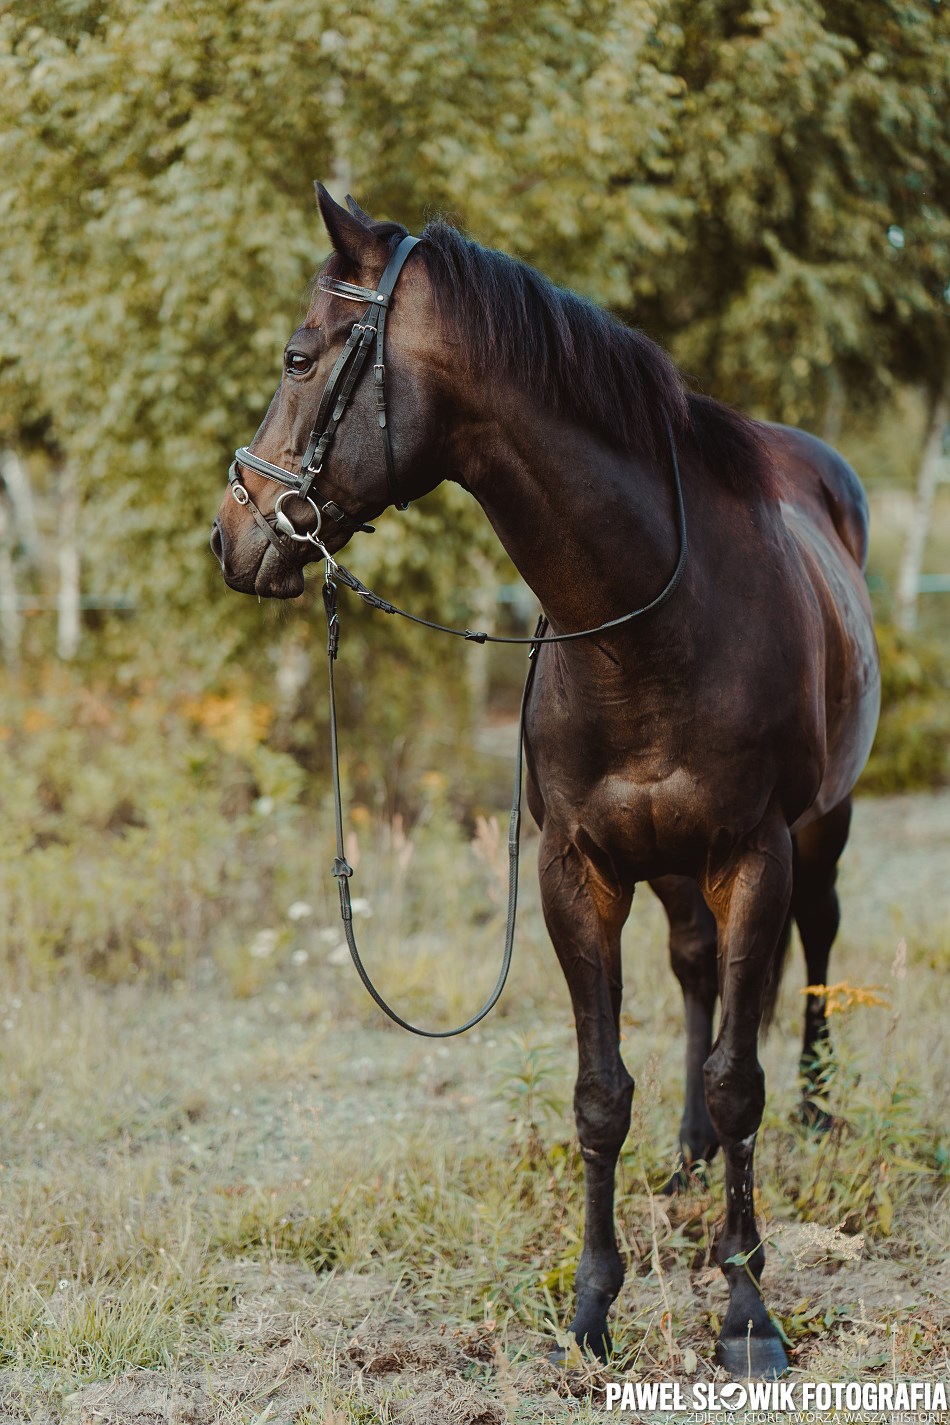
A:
{"points": [[693, 956], [585, 908], [749, 895]]}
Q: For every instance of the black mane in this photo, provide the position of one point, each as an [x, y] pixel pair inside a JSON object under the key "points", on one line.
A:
{"points": [[572, 355]]}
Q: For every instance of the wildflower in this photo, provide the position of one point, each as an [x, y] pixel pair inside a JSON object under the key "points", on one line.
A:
{"points": [[843, 996]]}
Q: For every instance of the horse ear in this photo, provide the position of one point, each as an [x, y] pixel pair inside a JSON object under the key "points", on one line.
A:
{"points": [[349, 235], [359, 213]]}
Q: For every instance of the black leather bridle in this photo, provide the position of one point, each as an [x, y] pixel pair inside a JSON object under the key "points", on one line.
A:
{"points": [[341, 383]]}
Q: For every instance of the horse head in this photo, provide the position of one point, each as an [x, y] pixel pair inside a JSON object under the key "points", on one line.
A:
{"points": [[354, 424]]}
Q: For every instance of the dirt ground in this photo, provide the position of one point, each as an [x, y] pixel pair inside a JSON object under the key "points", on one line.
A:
{"points": [[261, 1095]]}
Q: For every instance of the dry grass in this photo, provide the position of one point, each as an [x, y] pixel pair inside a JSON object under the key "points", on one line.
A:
{"points": [[239, 1199]]}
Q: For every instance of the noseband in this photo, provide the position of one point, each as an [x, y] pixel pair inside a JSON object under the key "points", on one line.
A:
{"points": [[340, 386]]}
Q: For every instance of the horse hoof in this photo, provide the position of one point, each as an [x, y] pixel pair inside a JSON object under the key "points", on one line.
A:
{"points": [[752, 1357]]}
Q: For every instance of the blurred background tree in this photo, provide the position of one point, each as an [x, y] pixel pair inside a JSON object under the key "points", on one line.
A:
{"points": [[766, 189]]}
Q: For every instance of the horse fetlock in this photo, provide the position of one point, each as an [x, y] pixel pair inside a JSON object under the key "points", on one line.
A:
{"points": [[742, 1262], [816, 1070], [599, 1277]]}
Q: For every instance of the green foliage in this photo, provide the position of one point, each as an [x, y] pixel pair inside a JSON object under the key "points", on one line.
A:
{"points": [[126, 829], [531, 1081], [160, 836], [912, 747], [727, 176], [871, 1162], [815, 154]]}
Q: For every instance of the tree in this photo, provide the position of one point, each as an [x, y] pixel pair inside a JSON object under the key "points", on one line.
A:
{"points": [[765, 189], [814, 157]]}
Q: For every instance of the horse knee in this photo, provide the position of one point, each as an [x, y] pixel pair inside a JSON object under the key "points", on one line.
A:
{"points": [[602, 1110], [735, 1096]]}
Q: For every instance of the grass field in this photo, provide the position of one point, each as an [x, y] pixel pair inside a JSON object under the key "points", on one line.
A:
{"points": [[232, 1195]]}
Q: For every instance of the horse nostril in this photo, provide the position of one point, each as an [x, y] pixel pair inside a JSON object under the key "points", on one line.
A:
{"points": [[217, 543]]}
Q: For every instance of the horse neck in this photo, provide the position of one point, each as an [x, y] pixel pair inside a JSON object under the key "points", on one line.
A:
{"points": [[592, 530]]}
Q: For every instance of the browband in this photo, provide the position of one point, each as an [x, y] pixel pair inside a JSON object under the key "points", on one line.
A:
{"points": [[351, 292]]}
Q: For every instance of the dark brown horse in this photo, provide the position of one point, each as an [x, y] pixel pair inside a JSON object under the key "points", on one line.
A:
{"points": [[710, 748]]}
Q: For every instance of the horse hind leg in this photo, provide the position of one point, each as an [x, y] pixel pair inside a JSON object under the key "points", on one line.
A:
{"points": [[816, 910], [693, 957], [585, 907]]}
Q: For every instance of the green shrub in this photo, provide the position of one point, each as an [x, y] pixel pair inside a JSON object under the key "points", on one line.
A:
{"points": [[156, 835], [138, 833]]}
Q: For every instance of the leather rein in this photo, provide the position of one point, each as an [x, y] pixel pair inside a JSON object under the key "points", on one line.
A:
{"points": [[340, 386]]}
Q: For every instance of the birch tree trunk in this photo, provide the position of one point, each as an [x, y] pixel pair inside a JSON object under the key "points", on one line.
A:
{"points": [[14, 476], [913, 560], [341, 169], [68, 624]]}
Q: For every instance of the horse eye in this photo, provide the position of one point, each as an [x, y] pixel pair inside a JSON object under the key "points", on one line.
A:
{"points": [[297, 362]]}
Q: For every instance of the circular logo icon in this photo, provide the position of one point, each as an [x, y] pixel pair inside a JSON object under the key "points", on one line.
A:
{"points": [[733, 1397]]}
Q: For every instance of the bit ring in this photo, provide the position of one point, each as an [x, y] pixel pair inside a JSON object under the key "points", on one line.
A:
{"points": [[284, 523]]}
